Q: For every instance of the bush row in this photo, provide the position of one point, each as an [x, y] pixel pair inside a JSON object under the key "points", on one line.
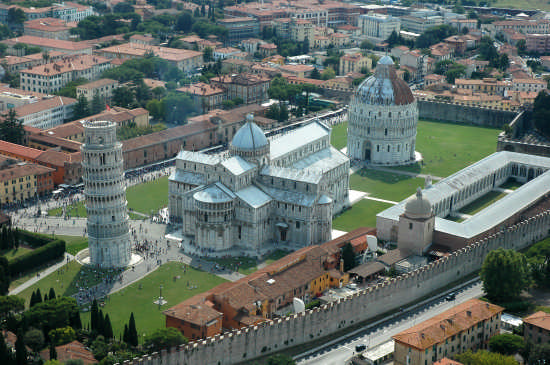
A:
{"points": [[34, 239], [51, 251]]}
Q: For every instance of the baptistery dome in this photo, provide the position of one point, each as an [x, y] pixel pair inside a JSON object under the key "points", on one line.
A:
{"points": [[384, 87], [382, 119]]}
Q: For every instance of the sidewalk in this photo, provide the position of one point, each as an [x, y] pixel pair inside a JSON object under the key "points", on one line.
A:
{"points": [[41, 275]]}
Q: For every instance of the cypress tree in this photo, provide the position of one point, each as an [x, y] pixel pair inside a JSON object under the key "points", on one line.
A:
{"points": [[46, 297], [100, 323], [107, 328], [75, 321], [33, 299], [38, 296], [53, 351], [52, 294], [20, 350], [16, 240], [125, 334], [93, 315], [132, 331]]}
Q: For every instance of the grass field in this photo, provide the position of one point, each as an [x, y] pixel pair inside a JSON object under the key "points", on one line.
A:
{"points": [[361, 214], [13, 253], [66, 280], [75, 244], [447, 148], [339, 135], [482, 203], [139, 296], [511, 184], [143, 198], [385, 185], [522, 4], [247, 265]]}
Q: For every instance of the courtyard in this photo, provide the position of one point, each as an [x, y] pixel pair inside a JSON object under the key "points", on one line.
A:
{"points": [[361, 214]]}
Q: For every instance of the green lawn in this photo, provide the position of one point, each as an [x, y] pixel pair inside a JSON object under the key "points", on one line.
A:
{"points": [[139, 296], [75, 244], [339, 135], [522, 4], [447, 147], [361, 214], [482, 202], [13, 253], [247, 265], [67, 280], [455, 219], [511, 184], [385, 185], [143, 198]]}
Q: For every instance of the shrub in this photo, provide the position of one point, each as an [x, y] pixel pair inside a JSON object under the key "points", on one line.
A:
{"points": [[34, 240], [53, 250]]}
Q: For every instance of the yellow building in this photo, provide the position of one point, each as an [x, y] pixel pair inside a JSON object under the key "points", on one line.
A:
{"points": [[354, 63], [23, 180], [300, 30], [467, 326]]}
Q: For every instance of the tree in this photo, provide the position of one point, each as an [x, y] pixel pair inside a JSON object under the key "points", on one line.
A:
{"points": [[123, 96], [10, 304], [328, 73], [63, 335], [506, 344], [52, 295], [540, 354], [81, 109], [348, 255], [5, 353], [98, 104], [4, 278], [94, 313], [107, 328], [164, 338], [20, 350], [315, 74], [184, 22], [485, 358], [16, 16], [541, 113], [455, 71], [123, 8], [11, 130], [132, 331], [125, 338], [53, 351], [55, 313], [522, 47], [34, 338], [505, 274], [207, 54]]}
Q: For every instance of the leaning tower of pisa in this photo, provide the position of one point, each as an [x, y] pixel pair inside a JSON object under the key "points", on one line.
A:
{"points": [[108, 230]]}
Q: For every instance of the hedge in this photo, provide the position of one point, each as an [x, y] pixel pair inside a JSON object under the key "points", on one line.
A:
{"points": [[34, 239], [51, 251]]}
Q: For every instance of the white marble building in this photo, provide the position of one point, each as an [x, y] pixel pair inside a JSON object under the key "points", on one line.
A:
{"points": [[264, 191], [382, 119], [105, 193]]}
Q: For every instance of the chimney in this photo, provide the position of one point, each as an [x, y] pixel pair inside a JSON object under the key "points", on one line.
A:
{"points": [[341, 265]]}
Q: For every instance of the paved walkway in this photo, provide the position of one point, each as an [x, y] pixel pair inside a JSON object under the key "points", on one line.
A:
{"points": [[380, 200], [501, 190], [40, 275]]}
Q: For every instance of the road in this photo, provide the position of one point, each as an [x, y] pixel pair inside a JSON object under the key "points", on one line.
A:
{"points": [[340, 352]]}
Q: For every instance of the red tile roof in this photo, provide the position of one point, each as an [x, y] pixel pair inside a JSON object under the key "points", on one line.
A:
{"points": [[539, 319]]}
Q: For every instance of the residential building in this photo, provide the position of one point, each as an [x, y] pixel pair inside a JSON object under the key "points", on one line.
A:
{"points": [[418, 23], [104, 88], [46, 113], [251, 45], [13, 98], [441, 52], [186, 60], [14, 64], [75, 351], [297, 70], [529, 26], [467, 326], [71, 12], [51, 77], [20, 181], [339, 40], [378, 26], [417, 62], [528, 85], [144, 40], [47, 28], [434, 79], [240, 28], [207, 96], [320, 42], [301, 30], [460, 24], [250, 88], [536, 327], [225, 52], [46, 44], [267, 49], [487, 85], [354, 63], [539, 43]]}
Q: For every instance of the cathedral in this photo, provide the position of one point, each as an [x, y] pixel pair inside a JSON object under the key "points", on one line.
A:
{"points": [[278, 190], [382, 119]]}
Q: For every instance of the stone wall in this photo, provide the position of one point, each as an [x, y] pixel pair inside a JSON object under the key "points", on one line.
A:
{"points": [[249, 343], [523, 137], [457, 113]]}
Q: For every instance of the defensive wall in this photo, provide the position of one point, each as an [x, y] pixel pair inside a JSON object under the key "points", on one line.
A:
{"points": [[523, 137], [458, 113], [241, 346]]}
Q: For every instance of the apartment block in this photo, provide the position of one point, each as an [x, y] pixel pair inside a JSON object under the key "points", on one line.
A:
{"points": [[207, 96], [536, 327], [47, 28], [379, 26], [20, 181], [104, 88]]}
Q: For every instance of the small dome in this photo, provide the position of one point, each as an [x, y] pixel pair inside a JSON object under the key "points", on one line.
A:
{"points": [[384, 87], [249, 136], [418, 206]]}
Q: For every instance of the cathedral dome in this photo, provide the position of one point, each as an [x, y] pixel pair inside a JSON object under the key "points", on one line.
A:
{"points": [[384, 87], [418, 206], [249, 137]]}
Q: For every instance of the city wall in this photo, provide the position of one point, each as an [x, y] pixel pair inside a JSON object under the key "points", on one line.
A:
{"points": [[457, 113], [249, 343]]}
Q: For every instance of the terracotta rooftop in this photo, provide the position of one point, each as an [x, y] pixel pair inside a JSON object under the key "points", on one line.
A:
{"points": [[236, 20], [47, 24], [447, 324], [394, 256], [57, 158], [201, 89], [96, 84], [134, 49], [66, 130], [447, 361], [196, 312], [21, 169], [48, 43], [73, 350], [42, 105], [539, 319], [22, 151], [67, 64]]}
